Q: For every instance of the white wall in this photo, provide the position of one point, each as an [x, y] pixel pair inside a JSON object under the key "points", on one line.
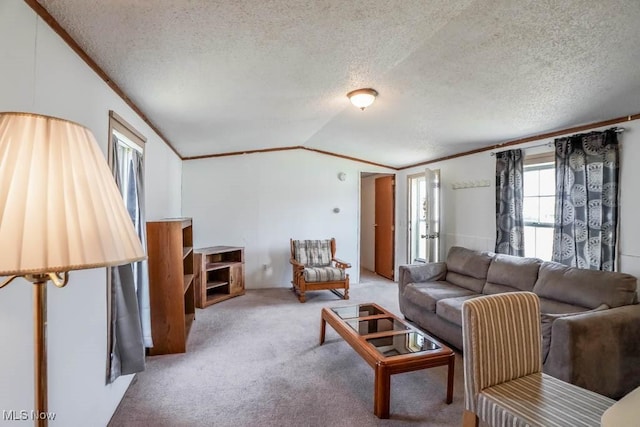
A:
{"points": [[261, 200], [469, 214], [367, 221], [48, 78]]}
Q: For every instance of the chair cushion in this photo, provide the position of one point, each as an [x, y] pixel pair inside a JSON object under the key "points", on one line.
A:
{"points": [[427, 294], [323, 274], [312, 253], [451, 308], [501, 337], [540, 400]]}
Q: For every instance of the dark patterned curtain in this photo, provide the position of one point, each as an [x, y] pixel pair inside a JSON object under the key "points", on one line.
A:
{"points": [[509, 222], [587, 176]]}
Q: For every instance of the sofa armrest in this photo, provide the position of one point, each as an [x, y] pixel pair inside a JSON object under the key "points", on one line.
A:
{"points": [[414, 273], [599, 351]]}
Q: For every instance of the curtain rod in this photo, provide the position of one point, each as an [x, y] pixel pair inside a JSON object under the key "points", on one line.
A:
{"points": [[550, 143]]}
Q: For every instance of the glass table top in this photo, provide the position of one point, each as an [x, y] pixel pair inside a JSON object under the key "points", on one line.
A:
{"points": [[371, 326], [394, 345], [352, 311], [393, 336]]}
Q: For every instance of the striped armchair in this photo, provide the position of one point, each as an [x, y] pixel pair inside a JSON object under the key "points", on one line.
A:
{"points": [[503, 379], [315, 267]]}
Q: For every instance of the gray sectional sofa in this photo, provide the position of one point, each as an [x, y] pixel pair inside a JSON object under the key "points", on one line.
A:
{"points": [[590, 319]]}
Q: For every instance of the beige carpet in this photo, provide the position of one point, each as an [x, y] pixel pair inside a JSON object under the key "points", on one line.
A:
{"points": [[254, 360]]}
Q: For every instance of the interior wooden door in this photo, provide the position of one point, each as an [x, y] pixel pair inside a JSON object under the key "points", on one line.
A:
{"points": [[385, 226]]}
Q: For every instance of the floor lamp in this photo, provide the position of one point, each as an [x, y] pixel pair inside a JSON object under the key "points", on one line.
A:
{"points": [[60, 210]]}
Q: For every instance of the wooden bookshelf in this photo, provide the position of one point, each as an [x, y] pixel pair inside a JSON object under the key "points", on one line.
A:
{"points": [[219, 274], [171, 283]]}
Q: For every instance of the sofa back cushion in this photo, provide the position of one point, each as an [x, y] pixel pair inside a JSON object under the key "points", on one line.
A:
{"points": [[508, 273], [587, 288], [467, 268]]}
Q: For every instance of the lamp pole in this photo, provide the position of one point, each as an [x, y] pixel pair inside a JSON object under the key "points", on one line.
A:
{"points": [[40, 348]]}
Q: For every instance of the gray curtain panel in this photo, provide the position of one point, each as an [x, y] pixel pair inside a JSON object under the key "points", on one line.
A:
{"points": [[126, 329], [586, 218], [509, 198], [141, 268], [127, 348]]}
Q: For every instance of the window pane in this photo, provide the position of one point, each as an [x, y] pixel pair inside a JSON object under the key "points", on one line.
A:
{"points": [[422, 230], [547, 182], [529, 241], [544, 243], [539, 207], [547, 209], [423, 197], [530, 184], [530, 208]]}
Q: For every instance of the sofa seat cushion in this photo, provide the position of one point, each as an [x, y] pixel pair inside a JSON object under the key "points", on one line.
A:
{"points": [[508, 273], [541, 400], [427, 294], [586, 288], [451, 308], [555, 307], [323, 274]]}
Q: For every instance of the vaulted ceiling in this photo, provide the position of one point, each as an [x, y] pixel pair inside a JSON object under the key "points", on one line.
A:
{"points": [[217, 76]]}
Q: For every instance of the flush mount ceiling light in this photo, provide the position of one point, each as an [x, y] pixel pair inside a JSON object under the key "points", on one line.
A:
{"points": [[362, 98]]}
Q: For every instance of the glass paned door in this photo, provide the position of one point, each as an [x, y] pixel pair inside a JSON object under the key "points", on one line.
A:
{"points": [[424, 217]]}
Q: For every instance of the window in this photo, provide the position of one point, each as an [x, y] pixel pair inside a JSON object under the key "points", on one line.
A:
{"points": [[539, 205]]}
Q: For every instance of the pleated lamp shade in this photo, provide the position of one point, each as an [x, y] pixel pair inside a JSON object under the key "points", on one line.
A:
{"points": [[60, 209]]}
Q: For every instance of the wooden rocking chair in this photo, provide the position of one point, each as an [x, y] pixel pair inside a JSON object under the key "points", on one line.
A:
{"points": [[316, 268]]}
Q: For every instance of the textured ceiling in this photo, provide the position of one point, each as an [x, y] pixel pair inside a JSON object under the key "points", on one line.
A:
{"points": [[225, 76]]}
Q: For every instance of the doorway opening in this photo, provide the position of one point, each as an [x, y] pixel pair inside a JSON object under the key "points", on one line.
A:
{"points": [[377, 224]]}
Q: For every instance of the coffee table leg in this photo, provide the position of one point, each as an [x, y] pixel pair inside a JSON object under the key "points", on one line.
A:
{"points": [[323, 326], [452, 363], [381, 394]]}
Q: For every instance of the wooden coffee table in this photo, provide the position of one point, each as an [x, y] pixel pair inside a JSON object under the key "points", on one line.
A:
{"points": [[389, 345]]}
